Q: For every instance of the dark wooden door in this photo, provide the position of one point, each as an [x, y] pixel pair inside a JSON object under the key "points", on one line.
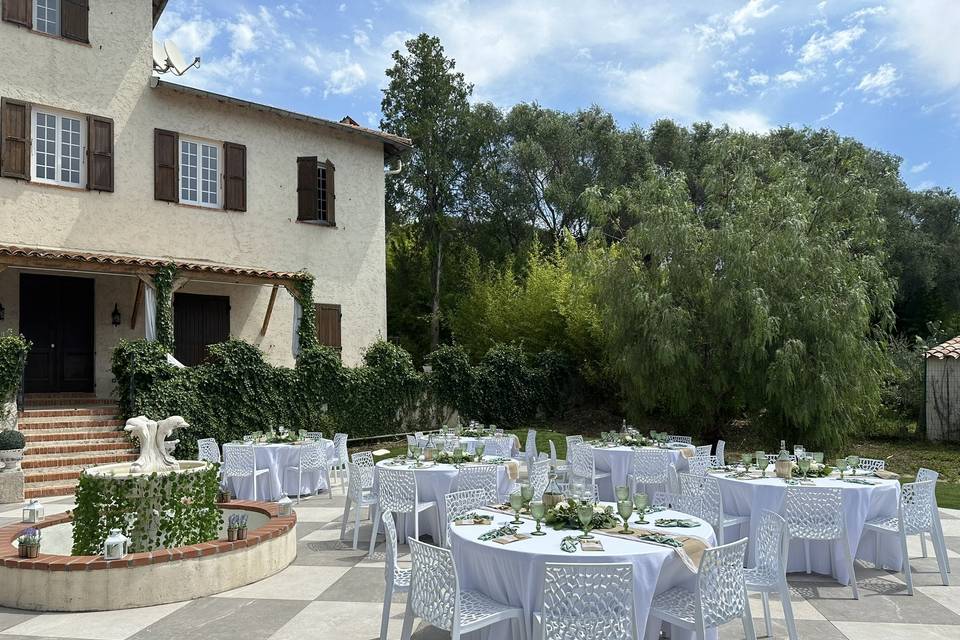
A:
{"points": [[199, 321], [56, 315]]}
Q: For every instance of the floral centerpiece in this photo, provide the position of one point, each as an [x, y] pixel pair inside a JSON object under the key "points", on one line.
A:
{"points": [[281, 436], [457, 456], [634, 440], [564, 516], [816, 470]]}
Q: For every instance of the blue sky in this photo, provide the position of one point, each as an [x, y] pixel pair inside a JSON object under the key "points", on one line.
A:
{"points": [[886, 72]]}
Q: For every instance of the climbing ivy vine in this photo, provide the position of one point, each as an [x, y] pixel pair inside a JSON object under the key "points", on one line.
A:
{"points": [[163, 282], [307, 329]]}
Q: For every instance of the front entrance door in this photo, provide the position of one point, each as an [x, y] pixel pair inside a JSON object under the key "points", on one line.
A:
{"points": [[56, 315], [198, 321]]}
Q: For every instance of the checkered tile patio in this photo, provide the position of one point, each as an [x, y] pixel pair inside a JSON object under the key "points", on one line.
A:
{"points": [[331, 591]]}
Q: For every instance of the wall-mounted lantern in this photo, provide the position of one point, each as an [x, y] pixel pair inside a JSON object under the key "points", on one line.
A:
{"points": [[115, 316]]}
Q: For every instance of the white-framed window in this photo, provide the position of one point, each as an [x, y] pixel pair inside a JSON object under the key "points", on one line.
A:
{"points": [[200, 170], [59, 146], [322, 192], [46, 16]]}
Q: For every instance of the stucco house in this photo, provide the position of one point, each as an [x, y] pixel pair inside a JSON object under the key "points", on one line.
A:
{"points": [[108, 171]]}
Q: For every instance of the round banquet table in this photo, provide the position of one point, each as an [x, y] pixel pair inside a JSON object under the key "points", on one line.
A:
{"points": [[434, 481], [860, 503], [618, 460], [277, 458], [469, 444], [513, 573]]}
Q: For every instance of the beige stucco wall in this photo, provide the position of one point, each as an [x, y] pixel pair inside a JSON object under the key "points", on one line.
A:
{"points": [[111, 78]]}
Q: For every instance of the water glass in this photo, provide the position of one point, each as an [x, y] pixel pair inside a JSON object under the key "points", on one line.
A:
{"points": [[841, 466], [625, 509], [746, 459], [585, 515], [854, 462], [804, 464], [761, 458], [526, 492], [538, 510], [623, 493], [478, 450], [516, 503], [640, 502]]}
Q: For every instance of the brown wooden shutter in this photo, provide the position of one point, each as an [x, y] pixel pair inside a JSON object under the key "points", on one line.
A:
{"points": [[234, 176], [328, 324], [99, 153], [18, 12], [14, 138], [331, 195], [165, 157], [307, 188], [74, 19]]}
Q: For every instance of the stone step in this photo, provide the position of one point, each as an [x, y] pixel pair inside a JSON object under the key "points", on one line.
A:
{"points": [[67, 411], [68, 422], [88, 459], [40, 476], [51, 448], [59, 394], [53, 488], [73, 435], [60, 401]]}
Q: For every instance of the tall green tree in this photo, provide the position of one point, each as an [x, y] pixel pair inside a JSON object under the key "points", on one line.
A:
{"points": [[426, 100]]}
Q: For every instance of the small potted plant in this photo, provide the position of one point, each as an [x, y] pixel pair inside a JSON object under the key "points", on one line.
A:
{"points": [[12, 443], [29, 543], [223, 495], [232, 526], [241, 527]]}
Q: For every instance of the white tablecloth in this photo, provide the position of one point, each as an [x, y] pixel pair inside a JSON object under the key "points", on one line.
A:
{"points": [[513, 573], [272, 486], [433, 483], [469, 444], [617, 461], [860, 503]]}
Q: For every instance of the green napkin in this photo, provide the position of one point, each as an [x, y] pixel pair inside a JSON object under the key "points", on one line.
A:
{"points": [[661, 539], [858, 481], [505, 530], [676, 522], [569, 544]]}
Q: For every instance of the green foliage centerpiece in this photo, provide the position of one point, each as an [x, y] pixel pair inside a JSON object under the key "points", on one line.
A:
{"points": [[565, 516]]}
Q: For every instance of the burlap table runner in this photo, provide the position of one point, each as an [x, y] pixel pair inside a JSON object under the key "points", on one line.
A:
{"points": [[690, 553]]}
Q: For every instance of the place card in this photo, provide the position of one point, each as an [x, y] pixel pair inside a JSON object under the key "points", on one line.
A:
{"points": [[509, 538], [475, 519], [591, 545]]}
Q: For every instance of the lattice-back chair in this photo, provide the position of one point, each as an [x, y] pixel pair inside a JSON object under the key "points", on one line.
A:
{"points": [[673, 480], [924, 474], [571, 441], [241, 462], [483, 477], [717, 459], [209, 450], [338, 464], [450, 443], [713, 512], [539, 478], [412, 442], [698, 465], [435, 597], [916, 514], [530, 447], [398, 494], [721, 594], [649, 466], [691, 494], [312, 456], [359, 495], [460, 503], [683, 439], [565, 486], [362, 459], [584, 466], [666, 500], [592, 600], [816, 513], [397, 580], [770, 572], [559, 468], [498, 446], [872, 464], [703, 451], [773, 457], [314, 435]]}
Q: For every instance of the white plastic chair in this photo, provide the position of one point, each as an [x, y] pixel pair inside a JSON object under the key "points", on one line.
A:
{"points": [[312, 457], [558, 468], [673, 479], [649, 466], [359, 495], [773, 457], [498, 446], [435, 596], [816, 513], [582, 600], [530, 448], [666, 500], [698, 465], [770, 572], [564, 486], [397, 580], [539, 478], [459, 503], [571, 441], [924, 474], [721, 594], [362, 459], [241, 462], [717, 459], [915, 515], [209, 450], [701, 497], [872, 464], [338, 464], [584, 466], [398, 494], [483, 477], [703, 451], [683, 439], [314, 435]]}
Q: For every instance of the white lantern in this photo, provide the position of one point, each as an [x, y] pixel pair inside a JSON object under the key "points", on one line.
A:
{"points": [[286, 506], [33, 511], [115, 546]]}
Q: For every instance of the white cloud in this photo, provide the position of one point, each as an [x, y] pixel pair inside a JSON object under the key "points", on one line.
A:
{"points": [[306, 90], [193, 35], [790, 78], [867, 12], [881, 83], [821, 46], [242, 38], [742, 119], [919, 168], [665, 90], [836, 109], [758, 79], [725, 29], [360, 38], [342, 7], [927, 30], [345, 79]]}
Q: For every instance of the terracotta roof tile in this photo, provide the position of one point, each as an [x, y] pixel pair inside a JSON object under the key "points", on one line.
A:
{"points": [[949, 349]]}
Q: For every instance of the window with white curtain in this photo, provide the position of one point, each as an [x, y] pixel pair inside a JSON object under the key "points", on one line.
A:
{"points": [[59, 144]]}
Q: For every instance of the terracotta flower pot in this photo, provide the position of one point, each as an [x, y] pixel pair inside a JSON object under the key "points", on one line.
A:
{"points": [[231, 535], [29, 550], [242, 534]]}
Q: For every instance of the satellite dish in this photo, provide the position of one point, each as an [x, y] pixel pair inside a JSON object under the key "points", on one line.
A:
{"points": [[170, 59], [159, 57]]}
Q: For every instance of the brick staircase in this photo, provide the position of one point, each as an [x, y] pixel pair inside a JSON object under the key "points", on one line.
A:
{"points": [[66, 433]]}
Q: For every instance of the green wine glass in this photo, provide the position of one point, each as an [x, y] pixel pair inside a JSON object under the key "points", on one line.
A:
{"points": [[623, 493], [526, 492], [854, 463], [761, 458], [841, 466], [640, 502], [516, 503], [585, 515], [747, 460], [478, 450], [804, 464], [538, 510], [625, 509]]}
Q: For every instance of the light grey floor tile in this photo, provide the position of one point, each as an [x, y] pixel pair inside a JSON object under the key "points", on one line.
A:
{"points": [[806, 629], [293, 583], [881, 601], [359, 584], [12, 617], [224, 619], [888, 631], [97, 625]]}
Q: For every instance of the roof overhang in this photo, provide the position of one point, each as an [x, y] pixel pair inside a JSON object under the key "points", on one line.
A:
{"points": [[392, 145], [158, 7], [68, 259]]}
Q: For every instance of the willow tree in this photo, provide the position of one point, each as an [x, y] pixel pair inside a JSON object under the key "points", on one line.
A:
{"points": [[765, 299]]}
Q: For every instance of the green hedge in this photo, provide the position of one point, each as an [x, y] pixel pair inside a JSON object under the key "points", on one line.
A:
{"points": [[236, 391], [13, 357]]}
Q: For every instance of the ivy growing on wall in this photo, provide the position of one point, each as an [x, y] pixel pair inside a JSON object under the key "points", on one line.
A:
{"points": [[163, 282], [13, 357], [307, 329], [155, 511]]}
